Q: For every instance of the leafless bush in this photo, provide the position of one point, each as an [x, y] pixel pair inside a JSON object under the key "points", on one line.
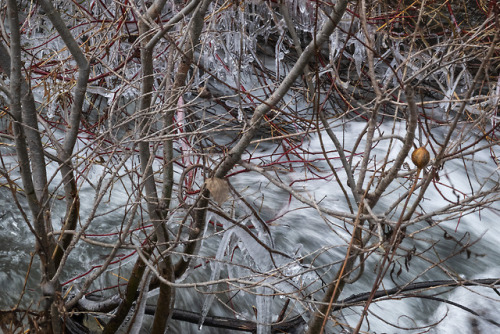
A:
{"points": [[252, 165]]}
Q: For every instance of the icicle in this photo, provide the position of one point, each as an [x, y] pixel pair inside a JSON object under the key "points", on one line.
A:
{"points": [[184, 144], [141, 307], [334, 46], [180, 115], [223, 245], [264, 312], [258, 254], [359, 54], [264, 235], [496, 97], [109, 94], [240, 115], [51, 110], [278, 53], [302, 6], [389, 73], [208, 219]]}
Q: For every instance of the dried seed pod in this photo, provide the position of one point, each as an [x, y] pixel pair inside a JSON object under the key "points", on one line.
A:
{"points": [[420, 157]]}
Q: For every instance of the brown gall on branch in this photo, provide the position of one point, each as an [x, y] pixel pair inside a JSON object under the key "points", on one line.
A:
{"points": [[420, 157]]}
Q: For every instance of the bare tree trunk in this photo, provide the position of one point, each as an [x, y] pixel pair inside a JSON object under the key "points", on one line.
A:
{"points": [[131, 294], [158, 209], [166, 298], [32, 164], [29, 148], [178, 87], [65, 151]]}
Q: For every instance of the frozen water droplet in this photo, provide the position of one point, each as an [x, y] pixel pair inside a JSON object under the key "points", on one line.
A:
{"points": [[240, 115]]}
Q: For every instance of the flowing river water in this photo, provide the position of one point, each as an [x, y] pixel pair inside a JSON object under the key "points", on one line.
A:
{"points": [[303, 230]]}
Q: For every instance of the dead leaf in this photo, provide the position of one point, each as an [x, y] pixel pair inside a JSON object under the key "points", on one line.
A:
{"points": [[219, 189]]}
